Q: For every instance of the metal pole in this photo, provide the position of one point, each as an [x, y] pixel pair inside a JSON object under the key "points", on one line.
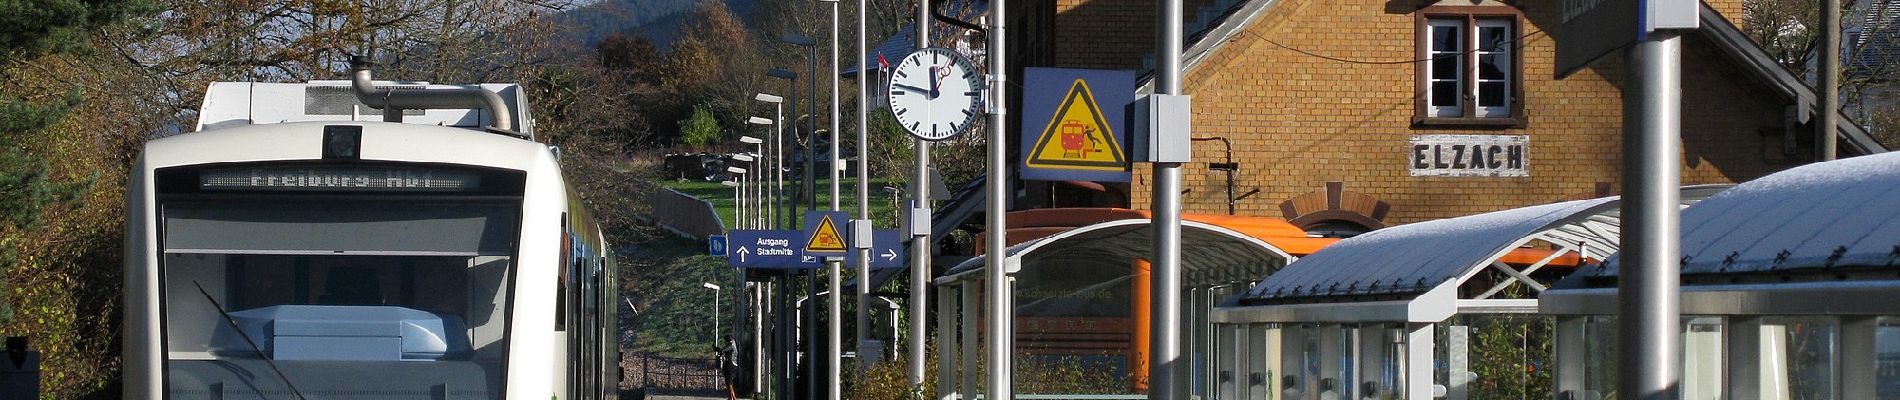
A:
{"points": [[998, 289], [920, 223], [834, 324], [1648, 299], [811, 134], [1167, 380], [864, 196], [1830, 72], [778, 165]]}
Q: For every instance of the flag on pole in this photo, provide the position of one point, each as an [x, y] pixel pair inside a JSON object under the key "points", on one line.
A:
{"points": [[882, 63]]}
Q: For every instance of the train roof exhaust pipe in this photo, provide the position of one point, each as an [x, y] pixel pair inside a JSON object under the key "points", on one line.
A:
{"points": [[394, 100]]}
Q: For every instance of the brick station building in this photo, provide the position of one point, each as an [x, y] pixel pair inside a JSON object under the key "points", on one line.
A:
{"points": [[1345, 116]]}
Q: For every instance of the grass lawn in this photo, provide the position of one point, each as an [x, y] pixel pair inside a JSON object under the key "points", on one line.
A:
{"points": [[881, 201]]}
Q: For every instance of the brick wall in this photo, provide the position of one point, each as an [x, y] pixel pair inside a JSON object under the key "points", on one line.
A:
{"points": [[1298, 121]]}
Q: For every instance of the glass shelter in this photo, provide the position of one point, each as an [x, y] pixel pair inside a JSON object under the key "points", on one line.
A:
{"points": [[1788, 292], [1081, 303], [1436, 309]]}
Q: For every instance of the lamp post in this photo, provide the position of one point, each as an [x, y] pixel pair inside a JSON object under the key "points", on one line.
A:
{"points": [[759, 177], [738, 200], [810, 169], [778, 154], [735, 201], [762, 213], [715, 331], [811, 108]]}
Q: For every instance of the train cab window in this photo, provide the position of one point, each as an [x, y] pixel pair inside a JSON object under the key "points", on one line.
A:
{"points": [[341, 296]]}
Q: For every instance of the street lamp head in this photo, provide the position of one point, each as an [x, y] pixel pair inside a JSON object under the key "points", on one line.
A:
{"points": [[759, 121], [781, 74], [752, 140], [745, 157], [728, 183], [797, 40], [709, 285], [769, 98], [736, 170]]}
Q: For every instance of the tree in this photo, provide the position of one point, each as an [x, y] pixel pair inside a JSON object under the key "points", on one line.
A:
{"points": [[700, 129]]}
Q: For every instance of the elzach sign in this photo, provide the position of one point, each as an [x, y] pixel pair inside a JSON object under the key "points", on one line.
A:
{"points": [[1470, 155]]}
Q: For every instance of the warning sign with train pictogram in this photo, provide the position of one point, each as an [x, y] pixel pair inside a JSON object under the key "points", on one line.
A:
{"points": [[1079, 135], [822, 236]]}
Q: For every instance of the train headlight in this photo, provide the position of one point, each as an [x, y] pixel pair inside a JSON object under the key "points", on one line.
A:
{"points": [[342, 142]]}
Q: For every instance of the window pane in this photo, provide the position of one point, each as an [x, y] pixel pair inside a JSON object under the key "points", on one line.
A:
{"points": [[1797, 357], [1494, 38], [1702, 351], [1887, 358], [1492, 66], [1445, 94], [1445, 39], [1445, 67], [1491, 94]]}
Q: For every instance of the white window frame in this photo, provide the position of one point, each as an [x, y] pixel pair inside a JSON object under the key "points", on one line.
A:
{"points": [[1433, 109], [1469, 28]]}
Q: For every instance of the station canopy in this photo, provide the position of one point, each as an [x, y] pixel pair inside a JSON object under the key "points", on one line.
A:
{"points": [[1418, 272], [1211, 254], [1829, 230]]}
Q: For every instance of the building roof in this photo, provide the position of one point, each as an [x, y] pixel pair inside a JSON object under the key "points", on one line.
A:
{"points": [[1725, 35], [1875, 50]]}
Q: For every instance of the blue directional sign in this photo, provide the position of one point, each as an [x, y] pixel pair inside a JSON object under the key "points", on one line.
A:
{"points": [[769, 249], [887, 250], [825, 233], [716, 245]]}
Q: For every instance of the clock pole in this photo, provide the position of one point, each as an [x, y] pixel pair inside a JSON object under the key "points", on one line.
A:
{"points": [[920, 225], [862, 246]]}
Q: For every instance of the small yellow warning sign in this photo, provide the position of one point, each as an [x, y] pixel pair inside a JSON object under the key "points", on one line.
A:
{"points": [[1078, 137], [825, 238]]}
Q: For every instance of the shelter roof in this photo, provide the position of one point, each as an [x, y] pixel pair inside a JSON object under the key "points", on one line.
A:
{"points": [[1821, 216]]}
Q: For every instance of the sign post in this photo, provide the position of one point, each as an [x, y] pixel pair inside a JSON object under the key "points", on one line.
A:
{"points": [[1649, 302]]}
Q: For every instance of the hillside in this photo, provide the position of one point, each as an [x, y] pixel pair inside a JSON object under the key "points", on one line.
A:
{"points": [[656, 20]]}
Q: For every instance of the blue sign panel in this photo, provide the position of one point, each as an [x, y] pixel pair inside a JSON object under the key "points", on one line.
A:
{"points": [[716, 245], [1075, 124], [887, 250], [825, 234], [769, 249]]}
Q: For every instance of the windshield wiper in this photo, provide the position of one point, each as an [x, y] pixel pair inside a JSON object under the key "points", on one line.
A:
{"points": [[247, 340]]}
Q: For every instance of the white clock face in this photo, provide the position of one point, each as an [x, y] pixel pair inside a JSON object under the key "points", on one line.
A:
{"points": [[934, 93]]}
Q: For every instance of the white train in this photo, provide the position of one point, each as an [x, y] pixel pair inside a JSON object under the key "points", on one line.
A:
{"points": [[292, 249]]}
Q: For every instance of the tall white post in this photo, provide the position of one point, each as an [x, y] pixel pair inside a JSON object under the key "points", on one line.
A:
{"points": [[920, 225], [863, 250], [998, 291], [833, 307]]}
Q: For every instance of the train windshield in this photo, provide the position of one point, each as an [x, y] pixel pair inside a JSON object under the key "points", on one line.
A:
{"points": [[336, 295]]}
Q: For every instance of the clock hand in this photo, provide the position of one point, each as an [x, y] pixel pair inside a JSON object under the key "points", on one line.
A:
{"points": [[911, 88], [934, 81]]}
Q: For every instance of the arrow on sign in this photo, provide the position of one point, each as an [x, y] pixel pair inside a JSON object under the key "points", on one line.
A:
{"points": [[742, 253], [808, 259], [890, 255]]}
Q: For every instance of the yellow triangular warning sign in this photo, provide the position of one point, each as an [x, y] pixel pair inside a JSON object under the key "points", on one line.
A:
{"points": [[1078, 137], [825, 238]]}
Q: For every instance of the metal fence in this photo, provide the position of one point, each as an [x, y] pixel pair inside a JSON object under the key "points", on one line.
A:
{"points": [[685, 215], [679, 374]]}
